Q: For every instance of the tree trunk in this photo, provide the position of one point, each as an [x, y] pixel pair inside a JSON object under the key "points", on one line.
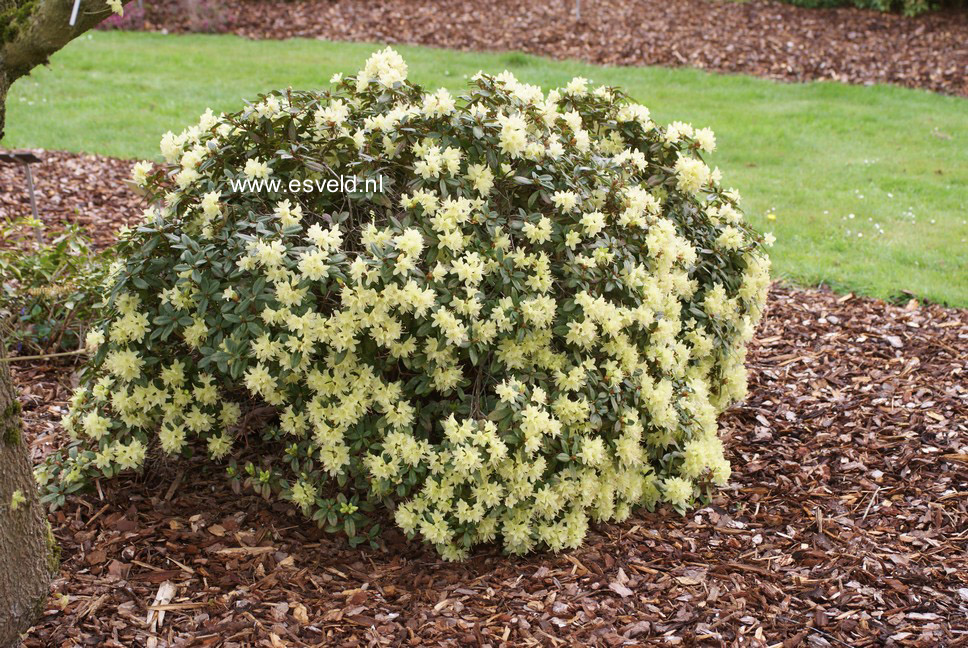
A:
{"points": [[28, 554], [32, 30]]}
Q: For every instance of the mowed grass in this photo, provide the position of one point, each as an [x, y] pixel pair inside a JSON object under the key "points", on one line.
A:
{"points": [[869, 185]]}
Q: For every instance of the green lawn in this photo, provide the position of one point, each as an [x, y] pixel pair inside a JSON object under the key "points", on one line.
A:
{"points": [[895, 159]]}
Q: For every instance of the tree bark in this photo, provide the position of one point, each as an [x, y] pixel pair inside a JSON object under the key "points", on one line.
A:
{"points": [[35, 29], [28, 554], [30, 31]]}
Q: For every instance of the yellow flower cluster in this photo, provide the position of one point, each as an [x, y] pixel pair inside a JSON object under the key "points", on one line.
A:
{"points": [[535, 327]]}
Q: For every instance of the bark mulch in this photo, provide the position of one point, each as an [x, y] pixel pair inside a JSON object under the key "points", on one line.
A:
{"points": [[88, 190], [761, 37], [845, 524]]}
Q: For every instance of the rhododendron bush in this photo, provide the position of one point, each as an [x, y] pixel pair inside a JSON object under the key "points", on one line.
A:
{"points": [[532, 326]]}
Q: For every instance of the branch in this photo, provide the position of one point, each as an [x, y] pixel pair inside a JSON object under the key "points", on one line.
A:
{"points": [[45, 31], [44, 356]]}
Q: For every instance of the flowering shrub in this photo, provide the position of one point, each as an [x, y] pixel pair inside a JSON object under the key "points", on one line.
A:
{"points": [[535, 324]]}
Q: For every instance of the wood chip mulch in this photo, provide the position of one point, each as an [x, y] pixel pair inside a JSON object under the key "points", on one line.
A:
{"points": [[760, 37], [845, 525], [87, 190]]}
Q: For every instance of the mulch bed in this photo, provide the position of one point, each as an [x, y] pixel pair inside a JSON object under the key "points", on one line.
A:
{"points": [[761, 37], [87, 190]]}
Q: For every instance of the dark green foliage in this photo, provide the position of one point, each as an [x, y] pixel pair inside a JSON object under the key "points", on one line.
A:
{"points": [[906, 7]]}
